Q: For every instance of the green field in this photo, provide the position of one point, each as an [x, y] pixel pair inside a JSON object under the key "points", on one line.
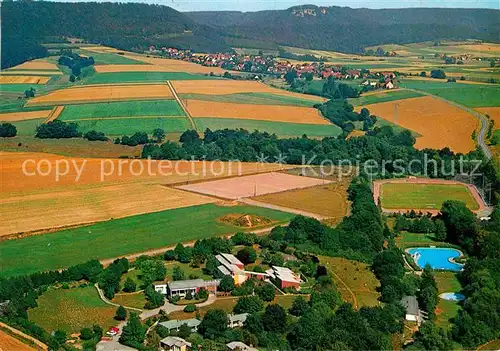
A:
{"points": [[122, 109], [133, 77], [110, 58], [278, 128], [127, 126], [253, 98], [17, 88], [470, 95], [121, 236], [71, 310], [446, 282], [384, 97], [405, 240], [423, 196], [28, 127]]}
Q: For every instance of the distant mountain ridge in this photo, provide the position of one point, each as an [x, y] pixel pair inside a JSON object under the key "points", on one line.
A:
{"points": [[349, 30], [132, 26]]}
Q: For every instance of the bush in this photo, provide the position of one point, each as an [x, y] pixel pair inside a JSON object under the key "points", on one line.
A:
{"points": [[129, 285], [248, 304], [8, 130], [266, 292], [247, 255], [92, 135], [86, 334], [190, 308], [121, 313], [202, 294], [189, 295]]}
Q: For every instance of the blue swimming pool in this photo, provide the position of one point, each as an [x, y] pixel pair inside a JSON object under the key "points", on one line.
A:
{"points": [[452, 296], [437, 258]]}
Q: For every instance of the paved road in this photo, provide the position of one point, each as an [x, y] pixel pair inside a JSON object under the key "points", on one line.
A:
{"points": [[481, 136]]}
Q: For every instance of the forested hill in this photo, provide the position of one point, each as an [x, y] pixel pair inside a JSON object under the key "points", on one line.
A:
{"points": [[349, 30], [26, 24]]}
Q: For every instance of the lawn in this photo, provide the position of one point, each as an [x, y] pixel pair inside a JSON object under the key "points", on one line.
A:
{"points": [[135, 300], [406, 240], [128, 126], [423, 196], [122, 109], [71, 310], [253, 98], [278, 128], [189, 272], [134, 77], [121, 237], [357, 276], [470, 95], [446, 282], [384, 97]]}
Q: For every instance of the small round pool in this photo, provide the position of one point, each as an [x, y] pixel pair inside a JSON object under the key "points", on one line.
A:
{"points": [[436, 257], [452, 296]]}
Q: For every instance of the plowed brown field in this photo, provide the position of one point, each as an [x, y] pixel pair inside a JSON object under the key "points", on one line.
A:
{"points": [[23, 79], [439, 124], [36, 202], [104, 93], [21, 116], [289, 114], [9, 343], [221, 87]]}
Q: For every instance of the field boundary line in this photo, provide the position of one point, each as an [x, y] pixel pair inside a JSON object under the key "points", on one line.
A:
{"points": [[25, 336], [283, 209], [179, 101]]}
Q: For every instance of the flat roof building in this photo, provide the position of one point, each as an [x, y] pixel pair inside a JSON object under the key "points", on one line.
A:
{"points": [[285, 277], [174, 343], [175, 324]]}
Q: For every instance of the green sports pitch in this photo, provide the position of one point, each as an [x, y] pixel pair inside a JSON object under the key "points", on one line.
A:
{"points": [[424, 196]]}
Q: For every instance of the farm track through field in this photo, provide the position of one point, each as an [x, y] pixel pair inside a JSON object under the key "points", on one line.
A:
{"points": [[179, 101], [56, 111], [481, 136], [284, 209]]}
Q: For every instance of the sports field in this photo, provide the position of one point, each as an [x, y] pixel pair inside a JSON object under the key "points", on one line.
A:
{"points": [[440, 124], [122, 109], [141, 77], [20, 79], [21, 116], [329, 200], [386, 96], [252, 98], [470, 95], [103, 93], [71, 310], [278, 128], [122, 236], [252, 185], [424, 196], [286, 114], [223, 87]]}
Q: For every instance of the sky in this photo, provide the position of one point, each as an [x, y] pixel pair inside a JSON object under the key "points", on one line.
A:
{"points": [[256, 5]]}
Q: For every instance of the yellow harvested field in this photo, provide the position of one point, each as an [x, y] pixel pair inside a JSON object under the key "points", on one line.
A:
{"points": [[493, 112], [9, 343], [222, 87], [290, 114], [439, 123], [104, 93], [39, 73], [170, 65], [22, 116], [106, 188], [56, 111], [36, 64], [489, 47], [23, 79]]}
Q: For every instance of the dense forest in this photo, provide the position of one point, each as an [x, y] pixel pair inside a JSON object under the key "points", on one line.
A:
{"points": [[350, 30], [132, 26]]}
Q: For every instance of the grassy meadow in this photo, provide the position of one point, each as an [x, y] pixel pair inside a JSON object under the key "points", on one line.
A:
{"points": [[138, 77], [122, 236], [278, 128], [253, 98], [128, 126]]}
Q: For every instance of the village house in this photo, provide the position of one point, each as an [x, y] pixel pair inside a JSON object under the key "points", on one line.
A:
{"points": [[237, 320], [182, 287], [239, 346], [175, 324], [174, 343], [284, 277], [413, 313]]}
